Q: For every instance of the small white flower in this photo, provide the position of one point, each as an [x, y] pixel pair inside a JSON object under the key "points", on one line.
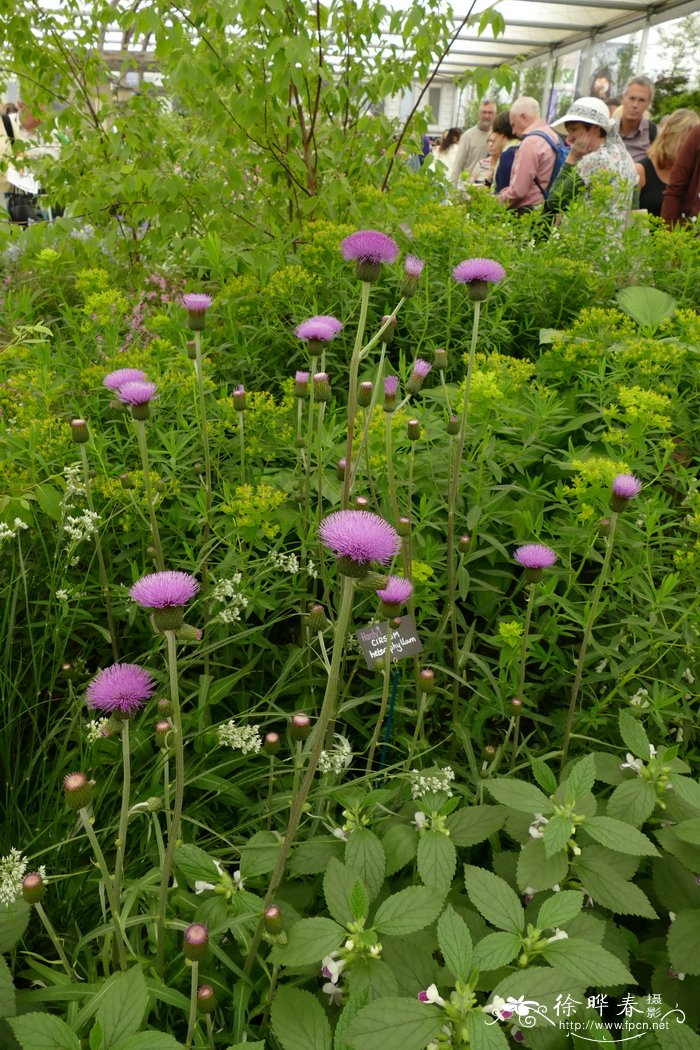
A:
{"points": [[559, 935], [439, 780], [672, 916], [340, 833], [375, 950], [338, 759], [349, 945], [601, 666], [238, 880], [556, 888], [689, 676], [536, 828], [240, 738], [420, 819], [640, 698], [499, 1008], [19, 524], [332, 967], [201, 886], [334, 993], [431, 995], [633, 763], [652, 751], [62, 594], [96, 730], [13, 868]]}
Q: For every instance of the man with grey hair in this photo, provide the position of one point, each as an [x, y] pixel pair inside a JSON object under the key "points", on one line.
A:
{"points": [[535, 158], [636, 130], [473, 144]]}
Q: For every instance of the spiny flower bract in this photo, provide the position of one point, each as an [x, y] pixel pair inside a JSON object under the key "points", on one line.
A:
{"points": [[359, 535], [121, 687], [160, 590]]}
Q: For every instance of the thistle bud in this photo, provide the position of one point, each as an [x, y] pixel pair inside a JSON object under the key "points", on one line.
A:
{"points": [[322, 387], [318, 621], [126, 481], [361, 502], [341, 468], [464, 542], [426, 680], [301, 384], [391, 385], [604, 526], [69, 672], [196, 941], [79, 431], [159, 485], [163, 729], [440, 359], [390, 331], [413, 429], [413, 270], [189, 633], [191, 349], [206, 999], [452, 427], [164, 707], [77, 790], [489, 751], [300, 726], [239, 398], [416, 379], [364, 394], [271, 743], [274, 922], [403, 526], [33, 887], [516, 705]]}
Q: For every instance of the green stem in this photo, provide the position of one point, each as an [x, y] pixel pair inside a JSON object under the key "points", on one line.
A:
{"points": [[194, 983], [155, 534], [124, 815], [204, 430], [109, 886], [352, 391], [587, 633], [385, 699], [27, 605], [166, 790], [325, 720], [210, 1033], [391, 477], [521, 675], [174, 832], [319, 460], [48, 926], [241, 439], [369, 413], [100, 556], [445, 394], [270, 791], [418, 731], [307, 480]]}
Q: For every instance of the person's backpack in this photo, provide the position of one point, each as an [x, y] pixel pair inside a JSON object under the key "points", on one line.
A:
{"points": [[561, 153]]}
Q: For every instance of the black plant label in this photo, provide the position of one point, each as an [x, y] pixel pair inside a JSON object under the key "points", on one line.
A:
{"points": [[404, 640]]}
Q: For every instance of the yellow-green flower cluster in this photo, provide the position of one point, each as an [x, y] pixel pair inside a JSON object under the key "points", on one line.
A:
{"points": [[254, 506], [95, 279], [289, 282], [644, 407], [269, 432], [104, 308], [593, 478], [510, 631]]}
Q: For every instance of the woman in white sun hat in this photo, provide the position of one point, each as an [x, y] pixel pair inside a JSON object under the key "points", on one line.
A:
{"points": [[597, 156]]}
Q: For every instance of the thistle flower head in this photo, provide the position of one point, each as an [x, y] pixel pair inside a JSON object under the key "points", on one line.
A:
{"points": [[196, 302], [369, 249], [166, 593], [421, 367], [359, 537], [413, 266], [535, 556], [397, 591], [300, 726], [124, 375], [77, 790], [122, 688], [391, 385], [136, 392], [301, 377], [624, 488], [478, 270], [321, 328], [195, 941], [34, 887]]}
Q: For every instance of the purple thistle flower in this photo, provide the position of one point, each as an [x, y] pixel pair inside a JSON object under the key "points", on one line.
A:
{"points": [[136, 392], [535, 556], [196, 302], [359, 537], [195, 941], [301, 384], [397, 591], [123, 375], [391, 385], [626, 486], [121, 687], [301, 377], [369, 249], [319, 329], [164, 590], [477, 274], [414, 266], [420, 371]]}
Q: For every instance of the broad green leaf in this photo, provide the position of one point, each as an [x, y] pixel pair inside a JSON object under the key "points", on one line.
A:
{"points": [[7, 991], [309, 940], [455, 943], [685, 852], [122, 1009], [349, 1012], [37, 1031], [559, 909], [152, 1040], [96, 1037], [473, 824], [312, 857], [400, 845], [260, 853], [299, 1022], [494, 899], [496, 950], [518, 794], [371, 976], [557, 833], [677, 1037], [411, 960], [408, 910], [621, 837], [13, 922], [196, 865], [543, 775], [364, 853], [437, 859], [257, 1045], [632, 733], [359, 901], [50, 500], [394, 1024], [610, 890], [675, 886], [633, 801], [688, 831], [483, 1033], [685, 788], [648, 306], [538, 872], [684, 941], [338, 884], [541, 983], [581, 778], [584, 959]]}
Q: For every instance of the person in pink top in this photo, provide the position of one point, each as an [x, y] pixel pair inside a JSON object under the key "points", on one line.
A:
{"points": [[534, 161]]}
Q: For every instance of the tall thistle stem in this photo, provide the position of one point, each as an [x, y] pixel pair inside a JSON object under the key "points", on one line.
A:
{"points": [[521, 673], [352, 391], [325, 720], [386, 671], [100, 555], [174, 832], [124, 815], [109, 886], [148, 490]]}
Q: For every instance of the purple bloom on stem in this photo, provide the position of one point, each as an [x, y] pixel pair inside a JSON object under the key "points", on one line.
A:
{"points": [[121, 687], [414, 266], [301, 377], [391, 385], [359, 537], [535, 556], [196, 302], [420, 371], [319, 329], [370, 249], [123, 375], [626, 486], [477, 274], [397, 591], [136, 392], [166, 593]]}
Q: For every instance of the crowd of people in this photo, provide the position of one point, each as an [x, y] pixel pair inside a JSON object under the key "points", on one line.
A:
{"points": [[533, 165]]}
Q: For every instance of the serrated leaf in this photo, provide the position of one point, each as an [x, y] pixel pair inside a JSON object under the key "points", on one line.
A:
{"points": [[455, 943], [684, 941], [411, 960], [364, 853], [338, 883], [581, 778], [610, 890], [541, 983], [494, 899], [312, 857], [299, 1022], [557, 833], [607, 768], [688, 831], [483, 1033], [359, 901], [7, 991], [400, 846], [633, 801], [408, 910], [543, 775], [260, 854], [309, 940], [518, 794], [372, 976], [196, 865], [156, 1041], [584, 959], [348, 1013], [13, 922], [496, 950], [39, 1031], [674, 885], [394, 1024], [677, 1037], [621, 837], [559, 909], [122, 1009], [472, 824], [436, 859], [685, 788], [633, 735], [686, 853], [538, 872]]}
